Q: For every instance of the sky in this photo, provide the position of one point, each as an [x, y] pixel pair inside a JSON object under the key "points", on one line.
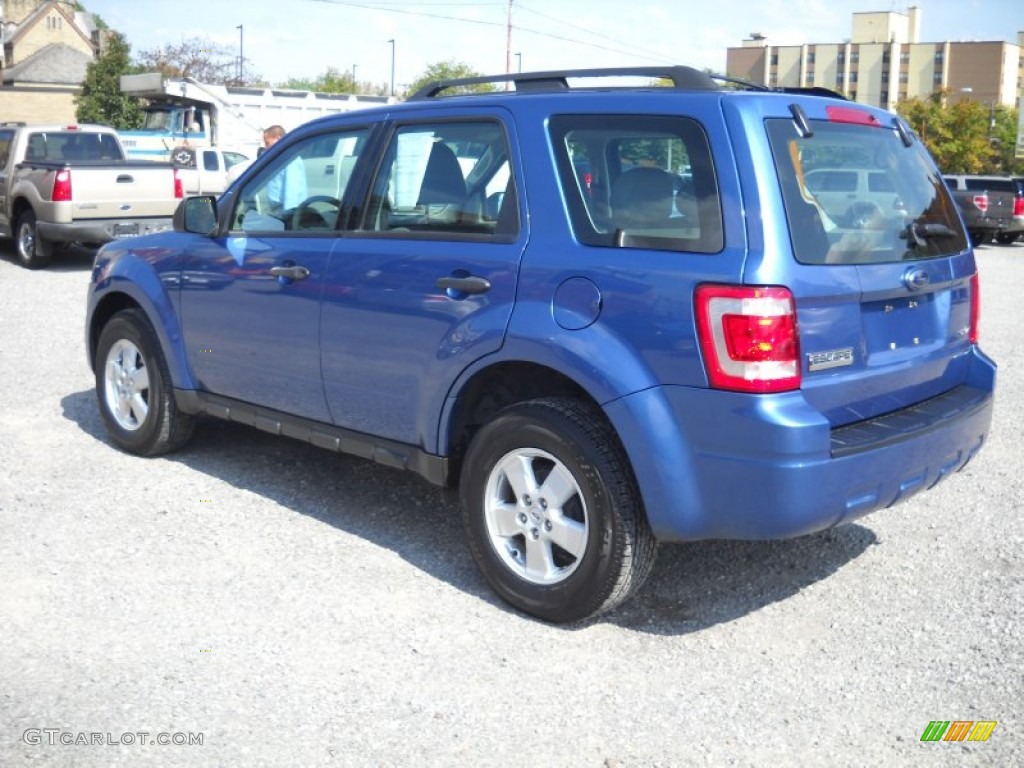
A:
{"points": [[302, 38]]}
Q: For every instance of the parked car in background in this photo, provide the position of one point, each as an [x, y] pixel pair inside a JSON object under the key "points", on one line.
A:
{"points": [[601, 356], [992, 206], [849, 195], [72, 183]]}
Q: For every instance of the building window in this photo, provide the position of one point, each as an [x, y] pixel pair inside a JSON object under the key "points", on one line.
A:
{"points": [[885, 98], [939, 56], [853, 77], [810, 57], [937, 77], [905, 57], [842, 59], [810, 78], [853, 95], [775, 60], [885, 74], [885, 57], [854, 57], [904, 77]]}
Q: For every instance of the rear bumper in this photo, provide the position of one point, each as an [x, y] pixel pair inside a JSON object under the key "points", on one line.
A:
{"points": [[726, 465], [101, 230]]}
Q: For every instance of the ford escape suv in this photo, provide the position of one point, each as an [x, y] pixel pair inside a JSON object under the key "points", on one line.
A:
{"points": [[610, 314]]}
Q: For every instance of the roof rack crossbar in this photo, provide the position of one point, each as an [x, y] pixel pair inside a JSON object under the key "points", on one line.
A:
{"points": [[682, 78]]}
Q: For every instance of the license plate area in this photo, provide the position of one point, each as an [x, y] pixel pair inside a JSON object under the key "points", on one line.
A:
{"points": [[126, 230], [905, 322]]}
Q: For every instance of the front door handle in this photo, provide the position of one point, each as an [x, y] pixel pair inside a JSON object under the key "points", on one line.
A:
{"points": [[293, 272], [472, 285]]}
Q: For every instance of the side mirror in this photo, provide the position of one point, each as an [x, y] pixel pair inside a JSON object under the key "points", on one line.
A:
{"points": [[197, 215]]}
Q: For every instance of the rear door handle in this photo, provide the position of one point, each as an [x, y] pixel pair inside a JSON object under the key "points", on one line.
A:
{"points": [[472, 284], [294, 272]]}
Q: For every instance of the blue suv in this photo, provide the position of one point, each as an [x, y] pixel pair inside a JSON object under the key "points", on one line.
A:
{"points": [[612, 315]]}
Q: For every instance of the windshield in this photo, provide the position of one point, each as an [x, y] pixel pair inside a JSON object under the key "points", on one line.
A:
{"points": [[160, 120], [856, 194]]}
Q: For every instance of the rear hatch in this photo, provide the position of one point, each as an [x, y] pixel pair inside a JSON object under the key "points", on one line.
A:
{"points": [[884, 290]]}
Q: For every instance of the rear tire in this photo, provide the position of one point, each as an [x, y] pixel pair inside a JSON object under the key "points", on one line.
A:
{"points": [[552, 511], [134, 389], [1004, 238], [33, 252]]}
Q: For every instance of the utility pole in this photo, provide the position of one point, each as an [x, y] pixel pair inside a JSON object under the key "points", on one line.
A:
{"points": [[392, 41], [241, 54], [508, 45]]}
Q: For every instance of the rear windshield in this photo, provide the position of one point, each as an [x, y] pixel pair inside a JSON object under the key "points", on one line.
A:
{"points": [[856, 194], [63, 146], [991, 185]]}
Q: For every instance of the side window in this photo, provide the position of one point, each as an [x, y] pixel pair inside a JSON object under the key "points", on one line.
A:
{"points": [[639, 182], [449, 179], [302, 189], [5, 147], [210, 160]]}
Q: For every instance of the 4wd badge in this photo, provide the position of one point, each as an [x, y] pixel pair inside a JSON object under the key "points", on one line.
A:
{"points": [[833, 358]]}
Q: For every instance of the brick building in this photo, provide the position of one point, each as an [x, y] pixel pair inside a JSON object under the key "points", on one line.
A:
{"points": [[884, 62], [47, 46]]}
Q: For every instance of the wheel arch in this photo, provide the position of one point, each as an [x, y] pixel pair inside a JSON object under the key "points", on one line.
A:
{"points": [[139, 287]]}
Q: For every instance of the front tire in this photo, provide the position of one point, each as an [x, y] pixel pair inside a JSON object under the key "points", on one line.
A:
{"points": [[552, 511], [134, 389], [33, 251]]}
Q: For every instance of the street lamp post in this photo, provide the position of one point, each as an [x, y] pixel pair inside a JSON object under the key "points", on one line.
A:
{"points": [[519, 61], [392, 41], [354, 78]]}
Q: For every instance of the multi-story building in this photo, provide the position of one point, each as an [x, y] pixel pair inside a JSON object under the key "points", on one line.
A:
{"points": [[884, 62], [47, 46]]}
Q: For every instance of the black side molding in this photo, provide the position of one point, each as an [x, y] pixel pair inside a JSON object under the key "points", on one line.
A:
{"points": [[390, 453]]}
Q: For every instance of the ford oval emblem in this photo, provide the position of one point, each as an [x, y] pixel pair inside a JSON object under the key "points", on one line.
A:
{"points": [[915, 279]]}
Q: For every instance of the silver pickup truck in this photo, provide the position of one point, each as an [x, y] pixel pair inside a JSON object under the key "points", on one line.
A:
{"points": [[72, 183]]}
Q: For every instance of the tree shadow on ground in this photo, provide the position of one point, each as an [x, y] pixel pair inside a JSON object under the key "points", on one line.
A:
{"points": [[693, 586]]}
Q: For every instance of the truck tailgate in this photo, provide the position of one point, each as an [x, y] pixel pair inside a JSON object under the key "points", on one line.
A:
{"points": [[128, 191]]}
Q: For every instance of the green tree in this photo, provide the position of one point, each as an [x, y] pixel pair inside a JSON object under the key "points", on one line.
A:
{"points": [[966, 136], [101, 100], [450, 70]]}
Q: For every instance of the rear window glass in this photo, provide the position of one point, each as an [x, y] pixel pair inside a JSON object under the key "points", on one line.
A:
{"points": [[897, 209], [70, 146], [991, 185], [639, 181]]}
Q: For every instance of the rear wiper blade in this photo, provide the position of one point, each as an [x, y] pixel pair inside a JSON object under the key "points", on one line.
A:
{"points": [[917, 233]]}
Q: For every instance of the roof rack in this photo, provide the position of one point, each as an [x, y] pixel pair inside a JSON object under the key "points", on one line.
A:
{"points": [[683, 78]]}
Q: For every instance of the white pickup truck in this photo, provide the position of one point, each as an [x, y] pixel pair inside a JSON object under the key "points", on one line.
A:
{"points": [[206, 170], [72, 183]]}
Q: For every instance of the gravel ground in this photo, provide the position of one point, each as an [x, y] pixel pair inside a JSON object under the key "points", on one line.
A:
{"points": [[297, 608]]}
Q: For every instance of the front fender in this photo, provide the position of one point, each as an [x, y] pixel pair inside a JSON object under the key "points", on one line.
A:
{"points": [[147, 275]]}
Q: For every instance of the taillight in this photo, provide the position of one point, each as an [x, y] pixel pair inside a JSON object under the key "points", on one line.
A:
{"points": [[972, 332], [62, 186], [1018, 206], [981, 202], [179, 189], [748, 337]]}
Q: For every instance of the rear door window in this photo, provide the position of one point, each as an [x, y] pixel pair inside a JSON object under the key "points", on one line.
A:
{"points": [[900, 211], [639, 181], [445, 180]]}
